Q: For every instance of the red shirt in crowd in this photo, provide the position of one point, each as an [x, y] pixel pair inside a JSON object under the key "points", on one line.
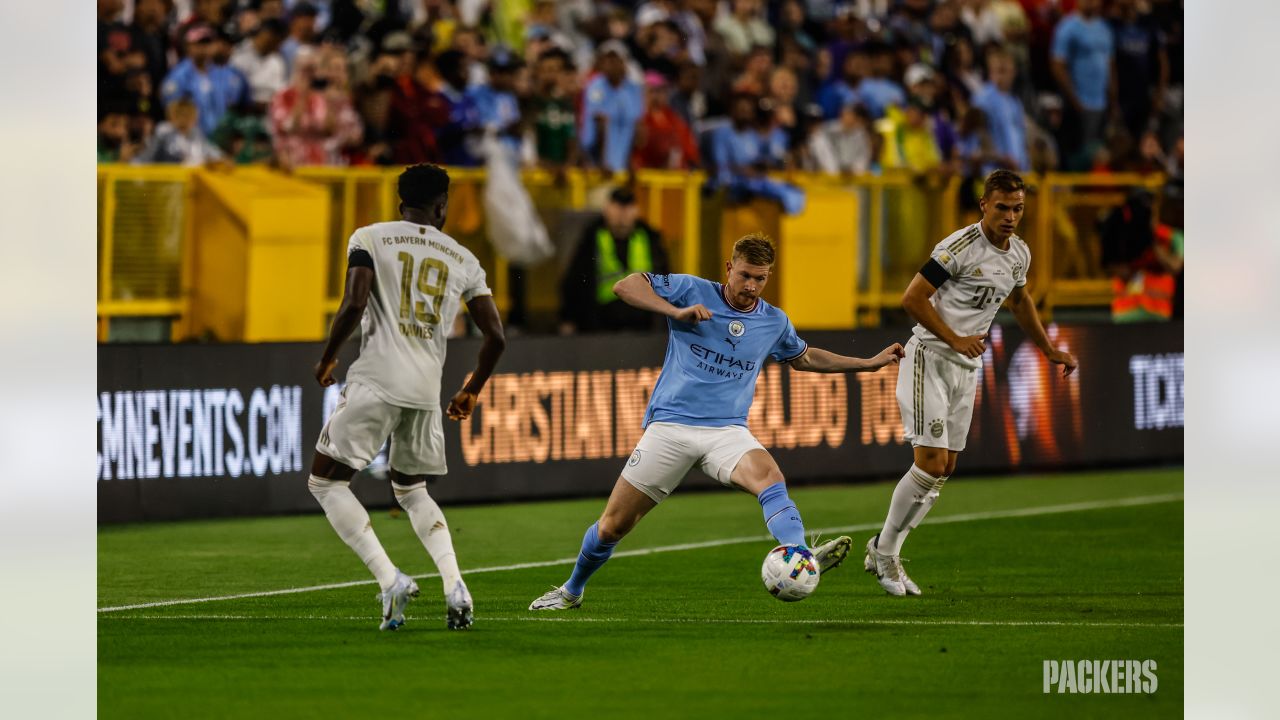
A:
{"points": [[314, 130], [663, 140]]}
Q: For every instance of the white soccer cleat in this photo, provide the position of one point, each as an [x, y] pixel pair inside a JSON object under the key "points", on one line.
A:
{"points": [[557, 598], [887, 569], [831, 553], [459, 615], [395, 599], [907, 583]]}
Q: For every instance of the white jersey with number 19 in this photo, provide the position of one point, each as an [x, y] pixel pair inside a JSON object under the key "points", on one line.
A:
{"points": [[421, 278], [981, 276]]}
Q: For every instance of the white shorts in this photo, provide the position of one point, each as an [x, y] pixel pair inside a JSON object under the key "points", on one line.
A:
{"points": [[666, 451], [935, 397], [361, 423]]}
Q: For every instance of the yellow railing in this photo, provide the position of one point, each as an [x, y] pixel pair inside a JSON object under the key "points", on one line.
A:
{"points": [[146, 233]]}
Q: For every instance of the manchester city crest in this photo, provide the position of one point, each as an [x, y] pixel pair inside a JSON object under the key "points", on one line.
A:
{"points": [[736, 328], [635, 459]]}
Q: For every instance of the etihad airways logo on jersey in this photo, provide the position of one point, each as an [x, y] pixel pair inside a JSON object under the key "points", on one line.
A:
{"points": [[717, 363], [202, 432]]}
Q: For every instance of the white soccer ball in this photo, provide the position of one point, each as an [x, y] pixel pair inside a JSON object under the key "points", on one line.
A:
{"points": [[790, 573]]}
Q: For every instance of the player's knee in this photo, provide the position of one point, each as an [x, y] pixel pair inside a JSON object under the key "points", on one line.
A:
{"points": [[933, 463], [611, 529]]}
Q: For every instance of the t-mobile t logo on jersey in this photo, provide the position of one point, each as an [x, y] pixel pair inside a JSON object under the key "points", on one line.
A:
{"points": [[1157, 391]]}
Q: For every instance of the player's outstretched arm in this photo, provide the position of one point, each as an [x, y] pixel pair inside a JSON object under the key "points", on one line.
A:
{"points": [[916, 302], [636, 291], [824, 361], [354, 298], [485, 314], [1024, 310]]}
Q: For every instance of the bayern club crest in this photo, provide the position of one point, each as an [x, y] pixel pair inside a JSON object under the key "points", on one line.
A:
{"points": [[736, 328]]}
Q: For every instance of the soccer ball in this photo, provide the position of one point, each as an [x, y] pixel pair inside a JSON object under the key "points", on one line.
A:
{"points": [[790, 573]]}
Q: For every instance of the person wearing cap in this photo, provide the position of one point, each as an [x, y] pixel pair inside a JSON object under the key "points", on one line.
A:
{"points": [[302, 31], [615, 245], [611, 109], [495, 102], [1006, 119], [212, 90], [663, 139]]}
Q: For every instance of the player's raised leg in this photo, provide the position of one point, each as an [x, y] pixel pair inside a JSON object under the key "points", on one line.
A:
{"points": [[758, 473], [626, 506]]}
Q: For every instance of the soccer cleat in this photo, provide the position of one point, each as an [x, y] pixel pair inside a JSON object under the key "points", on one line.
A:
{"points": [[557, 598], [832, 552], [460, 615], [907, 583], [887, 569], [395, 599]]}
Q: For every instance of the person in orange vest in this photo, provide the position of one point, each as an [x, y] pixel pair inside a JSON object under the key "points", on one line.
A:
{"points": [[1144, 258], [612, 247]]}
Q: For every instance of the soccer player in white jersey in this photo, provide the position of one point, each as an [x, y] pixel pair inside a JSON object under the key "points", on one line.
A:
{"points": [[719, 337], [953, 299], [405, 282]]}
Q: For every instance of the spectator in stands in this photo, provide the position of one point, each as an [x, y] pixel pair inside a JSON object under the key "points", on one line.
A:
{"points": [[118, 50], [845, 146], [1006, 118], [151, 37], [687, 99], [179, 140], [613, 246], [964, 77], [302, 32], [661, 47], [496, 106], [1141, 67], [552, 110], [744, 150], [209, 86], [312, 120], [612, 106], [373, 96], [1083, 50], [841, 91], [258, 58], [921, 82], [909, 139], [744, 27], [114, 141], [663, 140], [459, 138], [418, 112], [879, 91]]}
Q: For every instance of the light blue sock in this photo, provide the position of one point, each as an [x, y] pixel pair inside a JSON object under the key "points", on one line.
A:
{"points": [[594, 554], [781, 515]]}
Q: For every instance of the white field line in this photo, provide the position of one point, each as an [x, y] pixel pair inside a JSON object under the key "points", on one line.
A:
{"points": [[680, 621], [946, 519]]}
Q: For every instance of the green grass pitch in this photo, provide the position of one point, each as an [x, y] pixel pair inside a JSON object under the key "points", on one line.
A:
{"points": [[1015, 571]]}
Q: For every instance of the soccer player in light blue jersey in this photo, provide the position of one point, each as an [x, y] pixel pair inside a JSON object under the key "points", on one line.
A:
{"points": [[720, 336]]}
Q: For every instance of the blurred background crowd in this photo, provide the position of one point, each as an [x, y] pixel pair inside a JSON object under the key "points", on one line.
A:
{"points": [[737, 87]]}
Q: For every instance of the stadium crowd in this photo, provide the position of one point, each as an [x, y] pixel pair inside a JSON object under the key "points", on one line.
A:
{"points": [[737, 87]]}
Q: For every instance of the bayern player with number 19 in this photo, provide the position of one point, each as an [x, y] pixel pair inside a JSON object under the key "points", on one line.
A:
{"points": [[720, 335], [954, 299]]}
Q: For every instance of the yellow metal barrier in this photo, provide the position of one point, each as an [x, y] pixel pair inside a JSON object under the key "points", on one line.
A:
{"points": [[841, 263]]}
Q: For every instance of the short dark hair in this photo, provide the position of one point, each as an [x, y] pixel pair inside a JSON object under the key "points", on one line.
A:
{"points": [[1005, 181], [421, 185], [756, 248]]}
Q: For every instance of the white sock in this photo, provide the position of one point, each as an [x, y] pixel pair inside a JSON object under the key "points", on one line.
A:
{"points": [[908, 498], [928, 504], [428, 522], [349, 518]]}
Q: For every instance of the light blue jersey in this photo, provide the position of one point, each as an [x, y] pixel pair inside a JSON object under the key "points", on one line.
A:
{"points": [[709, 374]]}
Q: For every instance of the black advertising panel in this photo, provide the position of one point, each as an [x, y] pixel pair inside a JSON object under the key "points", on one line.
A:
{"points": [[190, 431]]}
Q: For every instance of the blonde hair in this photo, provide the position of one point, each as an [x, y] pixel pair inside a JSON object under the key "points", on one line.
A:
{"points": [[755, 248]]}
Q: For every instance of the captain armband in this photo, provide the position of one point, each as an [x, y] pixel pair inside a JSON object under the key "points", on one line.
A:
{"points": [[935, 273]]}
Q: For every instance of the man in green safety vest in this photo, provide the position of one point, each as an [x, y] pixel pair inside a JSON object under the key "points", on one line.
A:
{"points": [[612, 247]]}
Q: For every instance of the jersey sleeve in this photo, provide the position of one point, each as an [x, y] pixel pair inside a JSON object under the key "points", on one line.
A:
{"points": [[358, 241], [476, 286], [943, 265], [1020, 272], [789, 346], [674, 287]]}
